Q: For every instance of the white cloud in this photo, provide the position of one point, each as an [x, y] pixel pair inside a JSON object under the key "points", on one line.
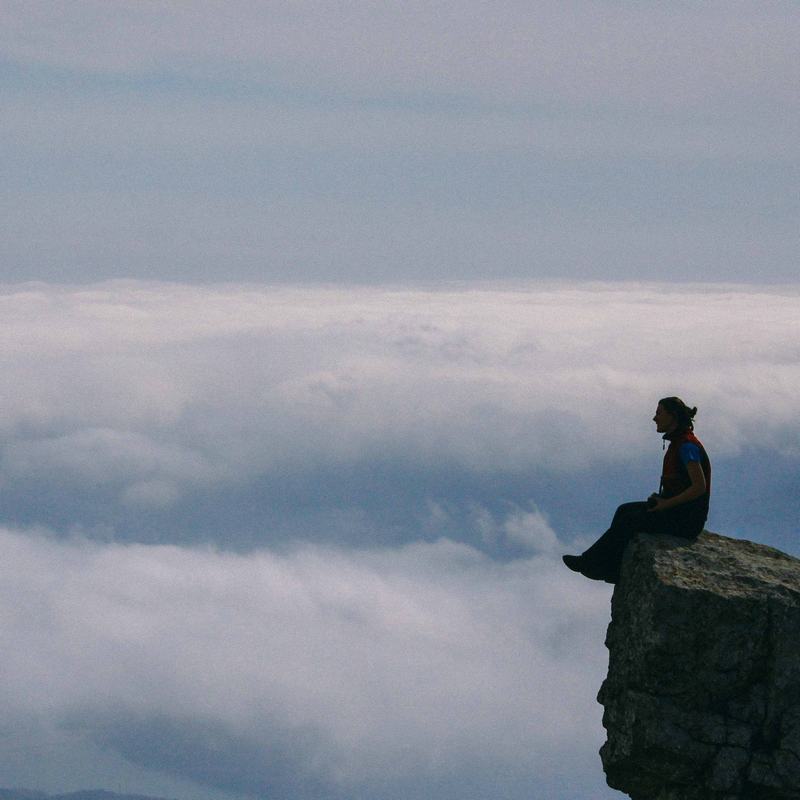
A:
{"points": [[354, 669], [150, 388], [531, 530], [380, 665], [526, 529]]}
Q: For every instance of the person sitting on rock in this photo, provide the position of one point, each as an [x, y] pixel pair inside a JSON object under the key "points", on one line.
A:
{"points": [[679, 508]]}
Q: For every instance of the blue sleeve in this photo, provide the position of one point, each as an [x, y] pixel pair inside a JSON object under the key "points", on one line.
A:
{"points": [[689, 452]]}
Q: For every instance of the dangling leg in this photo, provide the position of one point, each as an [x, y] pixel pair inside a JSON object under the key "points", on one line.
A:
{"points": [[602, 560]]}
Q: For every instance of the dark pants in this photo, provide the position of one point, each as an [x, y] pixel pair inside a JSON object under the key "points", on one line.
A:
{"points": [[602, 560]]}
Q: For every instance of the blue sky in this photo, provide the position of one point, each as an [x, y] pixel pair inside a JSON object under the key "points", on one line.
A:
{"points": [[373, 142], [327, 328]]}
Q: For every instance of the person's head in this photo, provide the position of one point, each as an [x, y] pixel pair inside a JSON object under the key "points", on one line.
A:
{"points": [[672, 414]]}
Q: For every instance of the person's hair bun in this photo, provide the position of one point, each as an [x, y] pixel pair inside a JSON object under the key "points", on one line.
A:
{"points": [[680, 410]]}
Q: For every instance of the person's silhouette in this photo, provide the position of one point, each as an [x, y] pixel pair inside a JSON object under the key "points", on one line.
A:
{"points": [[679, 508]]}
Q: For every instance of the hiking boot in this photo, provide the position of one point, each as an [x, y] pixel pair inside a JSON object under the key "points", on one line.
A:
{"points": [[575, 563]]}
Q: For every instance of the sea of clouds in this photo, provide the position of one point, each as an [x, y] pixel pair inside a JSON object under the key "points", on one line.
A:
{"points": [[409, 631], [154, 390], [324, 673]]}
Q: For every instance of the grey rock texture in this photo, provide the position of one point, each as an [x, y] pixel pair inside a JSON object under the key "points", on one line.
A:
{"points": [[702, 698]]}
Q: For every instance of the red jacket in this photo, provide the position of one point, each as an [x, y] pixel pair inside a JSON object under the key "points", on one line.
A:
{"points": [[675, 477]]}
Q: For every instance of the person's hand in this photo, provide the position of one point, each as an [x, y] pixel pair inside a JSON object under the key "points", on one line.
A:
{"points": [[655, 503]]}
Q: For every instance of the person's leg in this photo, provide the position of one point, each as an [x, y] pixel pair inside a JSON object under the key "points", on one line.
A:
{"points": [[601, 561], [684, 522], [625, 510]]}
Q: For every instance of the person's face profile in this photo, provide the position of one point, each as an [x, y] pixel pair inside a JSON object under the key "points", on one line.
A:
{"points": [[663, 419]]}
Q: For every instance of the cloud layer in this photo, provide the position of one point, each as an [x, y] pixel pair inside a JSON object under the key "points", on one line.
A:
{"points": [[148, 391], [321, 671], [305, 541], [255, 415]]}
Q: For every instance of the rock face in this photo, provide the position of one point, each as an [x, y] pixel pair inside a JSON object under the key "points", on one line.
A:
{"points": [[702, 698]]}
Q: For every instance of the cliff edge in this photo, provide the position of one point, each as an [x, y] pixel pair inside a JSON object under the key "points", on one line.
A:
{"points": [[702, 698]]}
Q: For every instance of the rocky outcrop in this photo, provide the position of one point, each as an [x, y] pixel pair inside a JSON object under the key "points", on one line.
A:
{"points": [[702, 698]]}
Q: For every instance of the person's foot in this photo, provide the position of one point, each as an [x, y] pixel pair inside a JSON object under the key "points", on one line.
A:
{"points": [[575, 563], [580, 564]]}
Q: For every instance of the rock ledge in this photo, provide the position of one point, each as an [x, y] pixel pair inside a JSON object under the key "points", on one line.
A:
{"points": [[702, 698]]}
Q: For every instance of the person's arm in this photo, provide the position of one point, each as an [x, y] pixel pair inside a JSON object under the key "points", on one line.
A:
{"points": [[696, 489]]}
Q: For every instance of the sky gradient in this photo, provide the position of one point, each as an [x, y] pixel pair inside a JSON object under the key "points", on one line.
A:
{"points": [[372, 142], [325, 329]]}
